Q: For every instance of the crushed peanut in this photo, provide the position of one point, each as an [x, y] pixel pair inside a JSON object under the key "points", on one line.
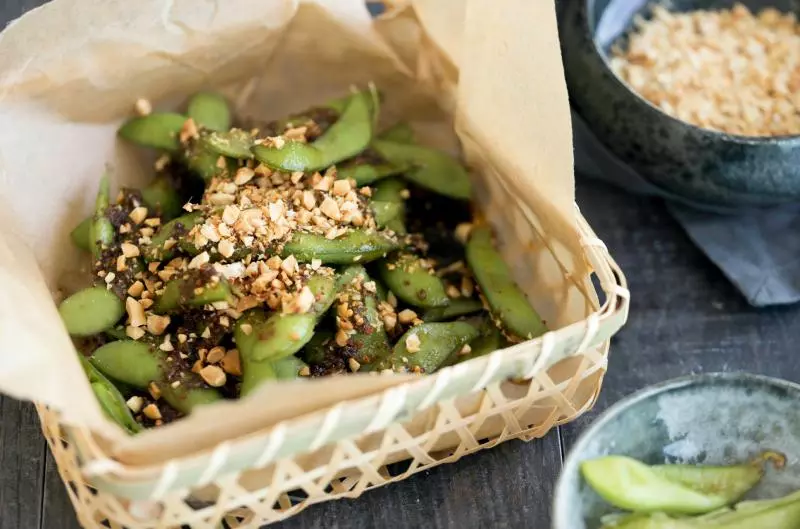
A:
{"points": [[213, 375], [728, 70], [151, 411], [413, 343], [135, 403]]}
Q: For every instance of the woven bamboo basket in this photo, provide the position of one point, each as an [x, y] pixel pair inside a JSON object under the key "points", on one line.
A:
{"points": [[521, 392], [274, 472]]}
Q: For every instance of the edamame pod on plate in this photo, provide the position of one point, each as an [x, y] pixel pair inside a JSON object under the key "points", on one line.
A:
{"points": [[398, 133], [455, 308], [392, 190], [161, 197], [506, 301], [632, 485], [235, 143], [101, 231]]}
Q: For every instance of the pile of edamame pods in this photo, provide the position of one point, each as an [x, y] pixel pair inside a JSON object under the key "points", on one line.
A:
{"points": [[306, 246], [682, 496]]}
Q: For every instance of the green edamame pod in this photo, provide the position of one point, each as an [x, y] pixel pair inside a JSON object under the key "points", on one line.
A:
{"points": [[101, 231], [195, 289], [398, 133], [90, 311], [365, 173], [632, 485], [781, 513], [163, 244], [159, 130], [411, 279], [318, 347], [506, 301], [110, 399], [358, 306], [457, 307], [137, 364], [116, 333], [81, 234], [263, 339], [385, 212], [324, 289], [354, 246], [425, 347], [128, 361], [344, 139], [205, 163], [392, 190], [160, 195], [210, 110], [288, 368], [432, 169], [236, 144], [489, 341]]}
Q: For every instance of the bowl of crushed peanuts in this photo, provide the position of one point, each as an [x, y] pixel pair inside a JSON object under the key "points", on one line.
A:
{"points": [[700, 97]]}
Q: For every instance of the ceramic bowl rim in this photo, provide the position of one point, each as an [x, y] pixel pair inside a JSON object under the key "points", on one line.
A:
{"points": [[786, 139], [623, 405]]}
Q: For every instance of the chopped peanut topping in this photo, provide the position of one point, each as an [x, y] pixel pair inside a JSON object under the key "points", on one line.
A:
{"points": [[156, 325], [151, 411], [135, 312], [213, 375], [413, 343]]}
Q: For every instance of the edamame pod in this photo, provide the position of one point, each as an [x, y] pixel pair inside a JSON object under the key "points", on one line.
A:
{"points": [[324, 289], [357, 309], [81, 234], [385, 212], [110, 399], [354, 246], [392, 190], [432, 169], [455, 308], [101, 231], [205, 163], [209, 110], [234, 143], [398, 133], [425, 347], [160, 196], [782, 513], [632, 485], [137, 364], [411, 279], [288, 368], [90, 311], [159, 130], [344, 139], [506, 301], [196, 288], [129, 361], [163, 244], [489, 341], [263, 339], [367, 173], [318, 347]]}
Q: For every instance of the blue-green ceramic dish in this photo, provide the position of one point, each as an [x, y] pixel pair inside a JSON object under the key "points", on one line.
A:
{"points": [[702, 165], [721, 418]]}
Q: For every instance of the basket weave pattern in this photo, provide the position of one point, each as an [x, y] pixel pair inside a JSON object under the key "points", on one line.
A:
{"points": [[517, 393]]}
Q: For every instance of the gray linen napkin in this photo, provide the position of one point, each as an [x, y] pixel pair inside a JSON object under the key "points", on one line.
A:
{"points": [[757, 250]]}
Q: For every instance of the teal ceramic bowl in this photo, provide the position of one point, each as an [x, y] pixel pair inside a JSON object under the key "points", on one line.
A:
{"points": [[701, 165], [721, 418]]}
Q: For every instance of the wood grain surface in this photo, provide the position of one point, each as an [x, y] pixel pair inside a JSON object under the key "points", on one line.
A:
{"points": [[685, 318]]}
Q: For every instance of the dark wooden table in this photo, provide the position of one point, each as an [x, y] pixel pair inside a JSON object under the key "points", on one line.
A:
{"points": [[685, 318]]}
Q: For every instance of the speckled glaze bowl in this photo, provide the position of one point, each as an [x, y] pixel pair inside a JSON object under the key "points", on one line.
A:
{"points": [[708, 419], [699, 164]]}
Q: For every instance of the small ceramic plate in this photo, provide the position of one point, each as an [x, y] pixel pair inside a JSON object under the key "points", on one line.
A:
{"points": [[721, 418]]}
